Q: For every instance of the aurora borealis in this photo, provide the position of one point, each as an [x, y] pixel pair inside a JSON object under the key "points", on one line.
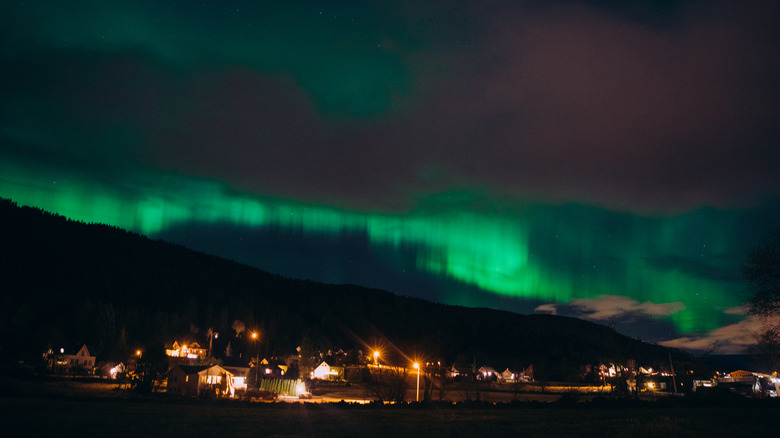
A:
{"points": [[607, 160]]}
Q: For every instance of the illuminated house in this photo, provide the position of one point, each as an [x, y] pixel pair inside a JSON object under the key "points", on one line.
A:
{"points": [[239, 370], [273, 368], [327, 372], [513, 376], [748, 383], [200, 380], [189, 351], [487, 373], [64, 361]]}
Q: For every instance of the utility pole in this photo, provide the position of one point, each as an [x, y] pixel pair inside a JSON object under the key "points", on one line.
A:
{"points": [[674, 379]]}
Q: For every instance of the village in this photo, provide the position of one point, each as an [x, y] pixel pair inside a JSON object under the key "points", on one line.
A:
{"points": [[191, 370]]}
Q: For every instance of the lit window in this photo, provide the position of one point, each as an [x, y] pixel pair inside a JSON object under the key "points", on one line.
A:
{"points": [[213, 380]]}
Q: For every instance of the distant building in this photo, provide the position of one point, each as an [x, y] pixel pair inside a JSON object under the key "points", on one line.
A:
{"points": [[327, 372], [72, 361], [510, 376], [240, 371], [749, 384], [200, 380], [273, 368], [487, 373], [192, 350]]}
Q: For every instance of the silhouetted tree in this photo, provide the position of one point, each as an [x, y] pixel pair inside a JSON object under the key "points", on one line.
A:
{"points": [[307, 360], [388, 384], [149, 368], [762, 271]]}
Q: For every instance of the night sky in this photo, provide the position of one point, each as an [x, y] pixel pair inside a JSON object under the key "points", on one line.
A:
{"points": [[611, 160]]}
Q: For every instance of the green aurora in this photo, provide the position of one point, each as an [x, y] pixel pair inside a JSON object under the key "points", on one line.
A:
{"points": [[531, 253], [533, 152]]}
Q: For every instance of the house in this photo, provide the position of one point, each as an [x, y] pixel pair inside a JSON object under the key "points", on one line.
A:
{"points": [[659, 383], [112, 370], [513, 376], [327, 372], [274, 368], [195, 381], [487, 373], [240, 372], [71, 361], [516, 376], [748, 383], [192, 350]]}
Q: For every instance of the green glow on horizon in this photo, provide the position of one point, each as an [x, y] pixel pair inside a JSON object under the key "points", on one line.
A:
{"points": [[499, 254]]}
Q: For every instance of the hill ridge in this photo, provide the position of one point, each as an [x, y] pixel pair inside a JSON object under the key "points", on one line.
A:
{"points": [[67, 281]]}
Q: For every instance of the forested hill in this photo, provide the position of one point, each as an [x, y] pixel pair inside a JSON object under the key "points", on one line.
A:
{"points": [[69, 282]]}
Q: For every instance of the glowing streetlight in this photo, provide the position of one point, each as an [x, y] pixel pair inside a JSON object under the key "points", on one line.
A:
{"points": [[417, 367], [376, 358], [257, 360]]}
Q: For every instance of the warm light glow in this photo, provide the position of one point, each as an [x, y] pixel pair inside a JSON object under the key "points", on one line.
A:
{"points": [[254, 335], [138, 353], [213, 380], [416, 365], [376, 355]]}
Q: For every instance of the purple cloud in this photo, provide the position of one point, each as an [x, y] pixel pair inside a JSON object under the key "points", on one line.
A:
{"points": [[735, 338], [562, 103]]}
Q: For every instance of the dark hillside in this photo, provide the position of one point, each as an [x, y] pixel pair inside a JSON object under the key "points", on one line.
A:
{"points": [[69, 282]]}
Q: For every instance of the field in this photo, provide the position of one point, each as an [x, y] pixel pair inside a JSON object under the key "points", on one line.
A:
{"points": [[68, 410]]}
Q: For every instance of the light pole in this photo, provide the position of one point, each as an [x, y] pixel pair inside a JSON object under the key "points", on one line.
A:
{"points": [[417, 367], [257, 360], [376, 358]]}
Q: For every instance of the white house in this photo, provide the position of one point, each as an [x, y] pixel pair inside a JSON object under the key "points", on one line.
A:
{"points": [[326, 372], [487, 373], [70, 361], [197, 380], [240, 374]]}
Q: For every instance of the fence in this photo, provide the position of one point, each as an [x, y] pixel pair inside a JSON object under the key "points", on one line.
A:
{"points": [[280, 386]]}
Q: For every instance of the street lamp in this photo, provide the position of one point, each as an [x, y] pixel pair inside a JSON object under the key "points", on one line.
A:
{"points": [[257, 360], [417, 367], [376, 358]]}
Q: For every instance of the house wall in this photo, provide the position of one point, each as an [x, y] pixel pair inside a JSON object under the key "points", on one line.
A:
{"points": [[182, 384], [77, 364]]}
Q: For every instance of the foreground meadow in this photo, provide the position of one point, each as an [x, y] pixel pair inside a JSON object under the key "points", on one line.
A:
{"points": [[79, 412]]}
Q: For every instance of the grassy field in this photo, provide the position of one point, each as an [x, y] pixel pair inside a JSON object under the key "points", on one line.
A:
{"points": [[70, 410]]}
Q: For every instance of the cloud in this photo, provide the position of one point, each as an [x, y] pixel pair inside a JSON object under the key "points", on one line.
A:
{"points": [[607, 307], [731, 339], [550, 308], [738, 310], [561, 101]]}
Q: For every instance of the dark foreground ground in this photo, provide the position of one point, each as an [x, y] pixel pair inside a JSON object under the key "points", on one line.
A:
{"points": [[77, 412]]}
